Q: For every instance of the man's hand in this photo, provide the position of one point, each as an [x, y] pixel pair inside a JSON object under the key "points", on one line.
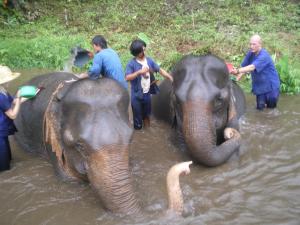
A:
{"points": [[70, 81], [144, 70]]}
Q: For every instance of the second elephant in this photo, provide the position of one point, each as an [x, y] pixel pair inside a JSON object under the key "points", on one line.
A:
{"points": [[202, 103]]}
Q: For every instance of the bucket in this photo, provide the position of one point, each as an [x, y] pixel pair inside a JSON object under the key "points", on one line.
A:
{"points": [[28, 91]]}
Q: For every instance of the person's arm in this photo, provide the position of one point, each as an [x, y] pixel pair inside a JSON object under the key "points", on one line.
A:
{"points": [[13, 111], [165, 74], [239, 72], [135, 74], [82, 75]]}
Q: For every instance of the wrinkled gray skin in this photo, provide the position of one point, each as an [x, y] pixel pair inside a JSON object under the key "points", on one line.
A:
{"points": [[93, 130], [201, 103]]}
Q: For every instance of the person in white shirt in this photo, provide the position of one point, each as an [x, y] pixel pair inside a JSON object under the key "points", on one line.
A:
{"points": [[139, 71]]}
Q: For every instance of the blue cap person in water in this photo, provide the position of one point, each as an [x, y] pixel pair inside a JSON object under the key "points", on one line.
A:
{"points": [[265, 78], [9, 108], [106, 62]]}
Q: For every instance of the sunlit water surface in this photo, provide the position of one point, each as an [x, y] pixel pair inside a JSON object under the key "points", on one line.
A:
{"points": [[260, 186]]}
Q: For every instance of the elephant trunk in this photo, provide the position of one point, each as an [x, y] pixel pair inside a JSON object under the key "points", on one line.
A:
{"points": [[200, 135], [109, 175], [173, 186]]}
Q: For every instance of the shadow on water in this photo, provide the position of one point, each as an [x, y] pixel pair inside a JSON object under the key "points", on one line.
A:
{"points": [[261, 186]]}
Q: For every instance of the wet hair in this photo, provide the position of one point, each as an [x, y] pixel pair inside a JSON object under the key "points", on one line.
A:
{"points": [[99, 40], [137, 46]]}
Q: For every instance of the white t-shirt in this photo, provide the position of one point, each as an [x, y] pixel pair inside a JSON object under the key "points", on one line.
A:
{"points": [[145, 81]]}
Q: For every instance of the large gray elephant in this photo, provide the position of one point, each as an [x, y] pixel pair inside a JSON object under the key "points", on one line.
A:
{"points": [[83, 129], [204, 105]]}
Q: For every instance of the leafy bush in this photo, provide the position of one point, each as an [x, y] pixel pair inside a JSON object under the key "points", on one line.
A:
{"points": [[290, 82]]}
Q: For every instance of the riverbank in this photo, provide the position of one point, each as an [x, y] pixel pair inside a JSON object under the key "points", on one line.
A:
{"points": [[41, 34]]}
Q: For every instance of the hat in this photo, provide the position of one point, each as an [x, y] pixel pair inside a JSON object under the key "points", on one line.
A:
{"points": [[7, 75]]}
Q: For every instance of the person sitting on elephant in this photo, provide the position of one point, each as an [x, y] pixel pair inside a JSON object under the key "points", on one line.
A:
{"points": [[106, 62], [265, 78], [9, 108], [139, 71]]}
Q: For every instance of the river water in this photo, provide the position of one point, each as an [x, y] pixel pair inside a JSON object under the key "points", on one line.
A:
{"points": [[261, 185]]}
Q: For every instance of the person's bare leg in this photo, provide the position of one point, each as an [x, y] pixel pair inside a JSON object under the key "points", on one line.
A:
{"points": [[146, 122]]}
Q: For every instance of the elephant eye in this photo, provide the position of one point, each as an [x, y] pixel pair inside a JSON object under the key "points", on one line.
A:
{"points": [[218, 103]]}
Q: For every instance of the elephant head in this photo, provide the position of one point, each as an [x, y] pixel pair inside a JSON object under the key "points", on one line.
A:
{"points": [[205, 105], [86, 135]]}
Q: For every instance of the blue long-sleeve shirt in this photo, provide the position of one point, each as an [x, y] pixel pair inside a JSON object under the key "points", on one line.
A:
{"points": [[265, 77], [7, 126], [108, 64]]}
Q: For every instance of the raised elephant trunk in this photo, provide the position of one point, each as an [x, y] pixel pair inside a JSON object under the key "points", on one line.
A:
{"points": [[173, 186], [200, 135], [108, 172]]}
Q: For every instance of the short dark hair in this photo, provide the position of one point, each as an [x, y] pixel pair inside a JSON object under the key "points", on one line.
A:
{"points": [[99, 40], [137, 46]]}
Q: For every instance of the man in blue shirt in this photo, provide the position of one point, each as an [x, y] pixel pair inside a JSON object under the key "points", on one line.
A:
{"points": [[106, 62], [265, 78]]}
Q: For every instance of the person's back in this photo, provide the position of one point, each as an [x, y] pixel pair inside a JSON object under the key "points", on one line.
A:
{"points": [[110, 66], [106, 62]]}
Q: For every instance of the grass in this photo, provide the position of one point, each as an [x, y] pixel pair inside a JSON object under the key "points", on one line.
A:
{"points": [[174, 28]]}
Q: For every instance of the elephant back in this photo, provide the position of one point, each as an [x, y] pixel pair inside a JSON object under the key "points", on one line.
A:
{"points": [[31, 116]]}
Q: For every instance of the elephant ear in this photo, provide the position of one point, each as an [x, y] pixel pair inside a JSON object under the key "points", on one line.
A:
{"points": [[52, 137], [232, 120], [173, 115]]}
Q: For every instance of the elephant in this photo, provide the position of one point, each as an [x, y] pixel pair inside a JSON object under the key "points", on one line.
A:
{"points": [[83, 129], [204, 105]]}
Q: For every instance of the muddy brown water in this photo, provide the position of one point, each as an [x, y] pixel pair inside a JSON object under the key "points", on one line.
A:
{"points": [[261, 185]]}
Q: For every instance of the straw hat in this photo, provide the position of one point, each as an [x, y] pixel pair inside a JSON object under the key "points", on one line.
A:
{"points": [[7, 75]]}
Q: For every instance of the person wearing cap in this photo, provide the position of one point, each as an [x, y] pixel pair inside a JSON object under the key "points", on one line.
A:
{"points": [[106, 62], [265, 78], [139, 71], [9, 108]]}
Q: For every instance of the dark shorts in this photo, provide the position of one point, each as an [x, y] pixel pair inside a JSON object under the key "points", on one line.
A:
{"points": [[267, 100], [5, 154], [141, 109]]}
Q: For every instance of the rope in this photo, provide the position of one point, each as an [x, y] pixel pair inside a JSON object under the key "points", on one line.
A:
{"points": [[49, 128]]}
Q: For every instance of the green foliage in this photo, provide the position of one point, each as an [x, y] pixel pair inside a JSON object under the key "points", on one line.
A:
{"points": [[172, 28], [38, 52], [290, 82]]}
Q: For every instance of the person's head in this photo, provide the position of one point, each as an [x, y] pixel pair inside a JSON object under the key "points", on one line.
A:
{"points": [[99, 43], [137, 48], [255, 43]]}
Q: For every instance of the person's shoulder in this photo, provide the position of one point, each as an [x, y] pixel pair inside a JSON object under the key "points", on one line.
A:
{"points": [[150, 60], [3, 96], [132, 61], [264, 53]]}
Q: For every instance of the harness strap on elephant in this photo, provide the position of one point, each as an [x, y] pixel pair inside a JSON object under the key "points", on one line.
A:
{"points": [[50, 131]]}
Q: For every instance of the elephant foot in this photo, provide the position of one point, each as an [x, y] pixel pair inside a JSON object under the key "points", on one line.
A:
{"points": [[173, 186]]}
